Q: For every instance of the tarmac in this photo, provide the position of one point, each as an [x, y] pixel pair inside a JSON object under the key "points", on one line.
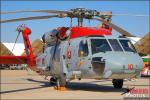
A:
{"points": [[22, 84]]}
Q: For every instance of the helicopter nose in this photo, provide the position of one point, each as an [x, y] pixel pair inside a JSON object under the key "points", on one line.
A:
{"points": [[122, 65], [117, 65]]}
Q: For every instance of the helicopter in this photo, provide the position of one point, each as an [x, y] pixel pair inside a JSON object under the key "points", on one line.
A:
{"points": [[79, 52]]}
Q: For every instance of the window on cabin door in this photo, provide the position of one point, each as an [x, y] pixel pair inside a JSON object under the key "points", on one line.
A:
{"points": [[83, 49]]}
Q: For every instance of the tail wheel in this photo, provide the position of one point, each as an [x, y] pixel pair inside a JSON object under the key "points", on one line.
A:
{"points": [[118, 83]]}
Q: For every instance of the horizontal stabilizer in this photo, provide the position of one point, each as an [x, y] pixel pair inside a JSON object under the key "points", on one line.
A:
{"points": [[13, 60]]}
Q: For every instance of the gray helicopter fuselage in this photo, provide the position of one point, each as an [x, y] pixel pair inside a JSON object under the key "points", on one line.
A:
{"points": [[91, 57]]}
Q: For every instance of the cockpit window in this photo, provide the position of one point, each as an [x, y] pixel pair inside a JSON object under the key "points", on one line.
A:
{"points": [[115, 45], [99, 45], [127, 46]]}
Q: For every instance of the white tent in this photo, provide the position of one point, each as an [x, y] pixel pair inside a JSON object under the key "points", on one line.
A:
{"points": [[134, 39], [18, 49]]}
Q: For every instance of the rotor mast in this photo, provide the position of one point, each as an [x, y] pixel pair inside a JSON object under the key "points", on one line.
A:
{"points": [[82, 13], [80, 21]]}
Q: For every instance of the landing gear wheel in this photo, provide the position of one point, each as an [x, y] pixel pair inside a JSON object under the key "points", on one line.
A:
{"points": [[62, 80], [118, 83], [53, 81], [61, 83]]}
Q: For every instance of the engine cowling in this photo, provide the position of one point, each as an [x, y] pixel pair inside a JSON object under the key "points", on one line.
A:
{"points": [[63, 35], [56, 34]]}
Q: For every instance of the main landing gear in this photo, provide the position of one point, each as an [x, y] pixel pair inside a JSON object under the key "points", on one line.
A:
{"points": [[118, 83], [60, 82]]}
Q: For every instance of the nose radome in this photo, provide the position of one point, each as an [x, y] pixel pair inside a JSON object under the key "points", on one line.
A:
{"points": [[120, 61], [117, 64]]}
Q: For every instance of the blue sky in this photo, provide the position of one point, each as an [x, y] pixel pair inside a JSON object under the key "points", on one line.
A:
{"points": [[138, 26]]}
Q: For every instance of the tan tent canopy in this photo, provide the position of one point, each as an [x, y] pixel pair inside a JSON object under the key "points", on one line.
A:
{"points": [[37, 46], [4, 50], [143, 45]]}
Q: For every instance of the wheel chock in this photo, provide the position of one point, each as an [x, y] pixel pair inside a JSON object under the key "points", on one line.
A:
{"points": [[61, 88]]}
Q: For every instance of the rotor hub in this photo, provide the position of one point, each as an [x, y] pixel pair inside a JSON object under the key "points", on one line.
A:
{"points": [[82, 13]]}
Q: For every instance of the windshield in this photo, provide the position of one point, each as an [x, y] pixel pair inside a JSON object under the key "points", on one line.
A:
{"points": [[115, 45], [99, 45], [127, 46]]}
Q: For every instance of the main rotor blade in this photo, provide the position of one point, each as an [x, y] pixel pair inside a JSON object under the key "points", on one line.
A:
{"points": [[134, 15], [28, 18], [115, 27], [44, 11], [99, 14]]}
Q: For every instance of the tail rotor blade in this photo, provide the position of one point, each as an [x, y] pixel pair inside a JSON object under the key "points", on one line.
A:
{"points": [[16, 41]]}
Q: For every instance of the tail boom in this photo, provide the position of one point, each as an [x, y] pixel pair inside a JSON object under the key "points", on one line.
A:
{"points": [[13, 60]]}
